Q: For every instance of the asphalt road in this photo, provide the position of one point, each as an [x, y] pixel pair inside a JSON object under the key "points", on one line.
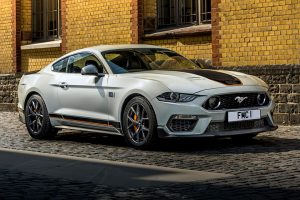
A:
{"points": [[90, 166]]}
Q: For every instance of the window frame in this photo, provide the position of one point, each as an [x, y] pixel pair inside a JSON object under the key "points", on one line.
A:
{"points": [[45, 21], [178, 16], [74, 54]]}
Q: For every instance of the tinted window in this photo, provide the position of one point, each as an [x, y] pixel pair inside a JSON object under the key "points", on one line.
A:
{"points": [[124, 61], [78, 61], [60, 66], [134, 60]]}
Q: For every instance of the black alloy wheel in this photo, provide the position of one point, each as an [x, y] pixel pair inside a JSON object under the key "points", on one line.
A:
{"points": [[139, 123], [37, 119]]}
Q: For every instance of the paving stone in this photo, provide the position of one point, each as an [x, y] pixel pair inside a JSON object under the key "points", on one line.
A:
{"points": [[266, 168]]}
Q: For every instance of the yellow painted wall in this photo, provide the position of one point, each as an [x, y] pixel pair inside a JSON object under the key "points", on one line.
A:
{"points": [[259, 32], [6, 53]]}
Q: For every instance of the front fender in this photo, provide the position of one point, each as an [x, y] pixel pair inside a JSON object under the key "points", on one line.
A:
{"points": [[149, 89]]}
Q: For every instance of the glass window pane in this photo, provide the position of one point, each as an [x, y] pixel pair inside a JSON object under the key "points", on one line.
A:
{"points": [[60, 66], [188, 11], [166, 12], [78, 61], [205, 11], [45, 15], [37, 13]]}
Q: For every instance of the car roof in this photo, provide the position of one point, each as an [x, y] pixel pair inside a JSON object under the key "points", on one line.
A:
{"points": [[102, 48]]}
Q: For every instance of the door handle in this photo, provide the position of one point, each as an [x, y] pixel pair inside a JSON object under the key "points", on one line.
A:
{"points": [[63, 85]]}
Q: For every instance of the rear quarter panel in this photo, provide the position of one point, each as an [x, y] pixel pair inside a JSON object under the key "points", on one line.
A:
{"points": [[42, 83]]}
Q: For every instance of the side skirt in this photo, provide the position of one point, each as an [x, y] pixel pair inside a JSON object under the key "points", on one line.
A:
{"points": [[86, 124]]}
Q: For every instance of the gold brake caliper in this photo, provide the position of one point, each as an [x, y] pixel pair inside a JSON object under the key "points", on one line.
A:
{"points": [[135, 118]]}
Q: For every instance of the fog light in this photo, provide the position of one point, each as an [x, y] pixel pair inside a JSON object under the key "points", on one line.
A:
{"points": [[261, 99], [190, 117], [182, 123], [214, 102]]}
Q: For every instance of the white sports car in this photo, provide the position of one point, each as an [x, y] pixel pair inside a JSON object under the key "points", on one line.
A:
{"points": [[142, 92]]}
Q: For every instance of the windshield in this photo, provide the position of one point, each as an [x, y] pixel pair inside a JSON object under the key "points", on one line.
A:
{"points": [[135, 60]]}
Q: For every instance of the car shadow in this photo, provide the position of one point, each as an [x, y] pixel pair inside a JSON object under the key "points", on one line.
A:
{"points": [[39, 186], [260, 144]]}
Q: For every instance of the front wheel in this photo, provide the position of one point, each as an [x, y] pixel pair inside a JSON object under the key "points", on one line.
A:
{"points": [[139, 123], [37, 119]]}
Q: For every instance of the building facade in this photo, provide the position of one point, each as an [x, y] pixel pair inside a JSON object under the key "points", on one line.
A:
{"points": [[260, 37]]}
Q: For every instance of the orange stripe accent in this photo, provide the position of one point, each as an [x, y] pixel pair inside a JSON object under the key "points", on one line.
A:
{"points": [[97, 123], [77, 120]]}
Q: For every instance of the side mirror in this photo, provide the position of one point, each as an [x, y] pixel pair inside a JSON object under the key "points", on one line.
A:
{"points": [[91, 70]]}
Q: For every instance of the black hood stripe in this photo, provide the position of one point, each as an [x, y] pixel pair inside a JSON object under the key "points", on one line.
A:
{"points": [[215, 76]]}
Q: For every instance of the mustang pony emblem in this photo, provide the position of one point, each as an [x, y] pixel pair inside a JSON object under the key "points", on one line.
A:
{"points": [[240, 99]]}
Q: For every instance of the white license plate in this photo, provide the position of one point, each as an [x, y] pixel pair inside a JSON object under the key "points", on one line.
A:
{"points": [[243, 115]]}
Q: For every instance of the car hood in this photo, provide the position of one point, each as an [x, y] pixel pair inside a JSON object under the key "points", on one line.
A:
{"points": [[192, 81]]}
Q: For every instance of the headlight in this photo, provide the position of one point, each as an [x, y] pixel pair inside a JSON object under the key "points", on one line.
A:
{"points": [[176, 97]]}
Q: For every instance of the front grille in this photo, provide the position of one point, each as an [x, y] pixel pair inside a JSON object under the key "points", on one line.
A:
{"points": [[181, 125], [229, 101], [225, 126]]}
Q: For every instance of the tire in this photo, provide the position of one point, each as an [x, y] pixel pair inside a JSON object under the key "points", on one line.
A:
{"points": [[243, 138], [37, 119], [139, 123]]}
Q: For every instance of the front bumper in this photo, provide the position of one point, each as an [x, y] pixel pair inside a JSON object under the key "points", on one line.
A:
{"points": [[163, 134], [21, 115], [206, 118]]}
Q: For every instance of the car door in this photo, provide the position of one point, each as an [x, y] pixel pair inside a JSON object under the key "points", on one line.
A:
{"points": [[82, 96]]}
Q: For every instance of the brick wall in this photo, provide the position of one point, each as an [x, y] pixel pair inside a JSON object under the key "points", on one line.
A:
{"points": [[84, 24], [259, 32], [191, 47], [6, 36], [284, 86], [36, 59], [8, 92], [96, 22]]}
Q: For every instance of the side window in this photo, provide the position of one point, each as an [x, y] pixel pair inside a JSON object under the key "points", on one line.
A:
{"points": [[74, 64], [78, 61], [60, 66]]}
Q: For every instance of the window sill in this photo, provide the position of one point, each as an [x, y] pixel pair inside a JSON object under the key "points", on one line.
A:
{"points": [[42, 45], [180, 32]]}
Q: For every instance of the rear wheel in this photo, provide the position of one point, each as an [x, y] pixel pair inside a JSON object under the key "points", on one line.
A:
{"points": [[37, 119], [139, 123]]}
